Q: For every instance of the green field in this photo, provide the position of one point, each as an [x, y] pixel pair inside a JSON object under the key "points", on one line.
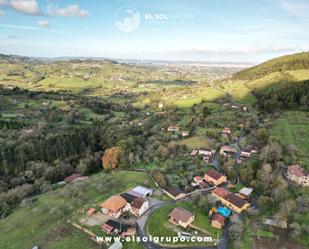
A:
{"points": [[196, 142], [44, 222], [156, 225], [293, 128]]}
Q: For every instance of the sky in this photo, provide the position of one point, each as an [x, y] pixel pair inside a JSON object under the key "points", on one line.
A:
{"points": [[179, 30]]}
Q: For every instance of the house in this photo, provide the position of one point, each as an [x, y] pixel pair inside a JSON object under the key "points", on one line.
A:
{"points": [[185, 133], [128, 197], [173, 128], [135, 194], [175, 193], [217, 221], [181, 217], [245, 192], [139, 206], [220, 192], [72, 177], [214, 177], [246, 153], [142, 191], [228, 151], [203, 185], [112, 226], [136, 205], [197, 179], [230, 200], [194, 152], [91, 211], [226, 131], [297, 174], [114, 206], [205, 152]]}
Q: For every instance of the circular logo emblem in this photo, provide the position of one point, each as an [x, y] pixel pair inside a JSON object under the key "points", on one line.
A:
{"points": [[127, 19]]}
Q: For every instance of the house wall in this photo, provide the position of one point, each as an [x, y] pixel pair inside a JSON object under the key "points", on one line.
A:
{"points": [[221, 180], [304, 181], [183, 224], [115, 214], [143, 209], [216, 224]]}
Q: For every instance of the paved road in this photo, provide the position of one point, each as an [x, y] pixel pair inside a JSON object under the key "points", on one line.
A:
{"points": [[155, 204]]}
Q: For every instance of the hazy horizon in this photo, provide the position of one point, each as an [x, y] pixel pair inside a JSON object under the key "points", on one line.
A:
{"points": [[208, 31]]}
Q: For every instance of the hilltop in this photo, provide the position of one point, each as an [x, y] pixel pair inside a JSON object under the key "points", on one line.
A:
{"points": [[284, 63]]}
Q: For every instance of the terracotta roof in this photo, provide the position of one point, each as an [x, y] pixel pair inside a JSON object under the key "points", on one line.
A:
{"points": [[235, 200], [174, 191], [222, 192], [181, 214], [137, 203], [214, 174], [72, 177], [114, 203], [296, 170], [197, 178], [226, 148], [91, 211], [219, 218]]}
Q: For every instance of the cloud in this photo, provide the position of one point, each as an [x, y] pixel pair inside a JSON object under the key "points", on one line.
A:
{"points": [[2, 13], [43, 24], [70, 10], [27, 7]]}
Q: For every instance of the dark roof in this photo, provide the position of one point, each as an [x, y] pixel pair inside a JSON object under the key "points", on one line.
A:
{"points": [[128, 197], [180, 214], [137, 203], [174, 191], [235, 200], [213, 174], [117, 225]]}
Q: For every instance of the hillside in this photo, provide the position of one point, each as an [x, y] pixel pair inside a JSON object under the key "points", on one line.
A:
{"points": [[284, 63]]}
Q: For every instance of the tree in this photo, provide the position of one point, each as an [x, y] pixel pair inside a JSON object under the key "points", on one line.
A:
{"points": [[271, 152], [111, 157]]}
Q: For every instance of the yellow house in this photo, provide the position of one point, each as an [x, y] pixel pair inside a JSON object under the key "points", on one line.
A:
{"points": [[181, 217], [231, 200], [214, 177]]}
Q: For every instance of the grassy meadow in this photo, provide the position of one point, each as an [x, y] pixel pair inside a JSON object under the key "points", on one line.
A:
{"points": [[43, 221]]}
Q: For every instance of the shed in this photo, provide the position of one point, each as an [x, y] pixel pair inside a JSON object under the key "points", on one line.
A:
{"points": [[143, 191], [246, 191]]}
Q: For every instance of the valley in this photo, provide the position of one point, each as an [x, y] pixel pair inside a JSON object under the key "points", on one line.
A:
{"points": [[114, 126]]}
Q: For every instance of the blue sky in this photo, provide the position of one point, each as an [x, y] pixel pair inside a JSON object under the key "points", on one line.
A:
{"points": [[196, 30]]}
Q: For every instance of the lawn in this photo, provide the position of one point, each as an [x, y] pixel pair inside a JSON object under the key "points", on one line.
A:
{"points": [[156, 225], [195, 142], [38, 223], [295, 127]]}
